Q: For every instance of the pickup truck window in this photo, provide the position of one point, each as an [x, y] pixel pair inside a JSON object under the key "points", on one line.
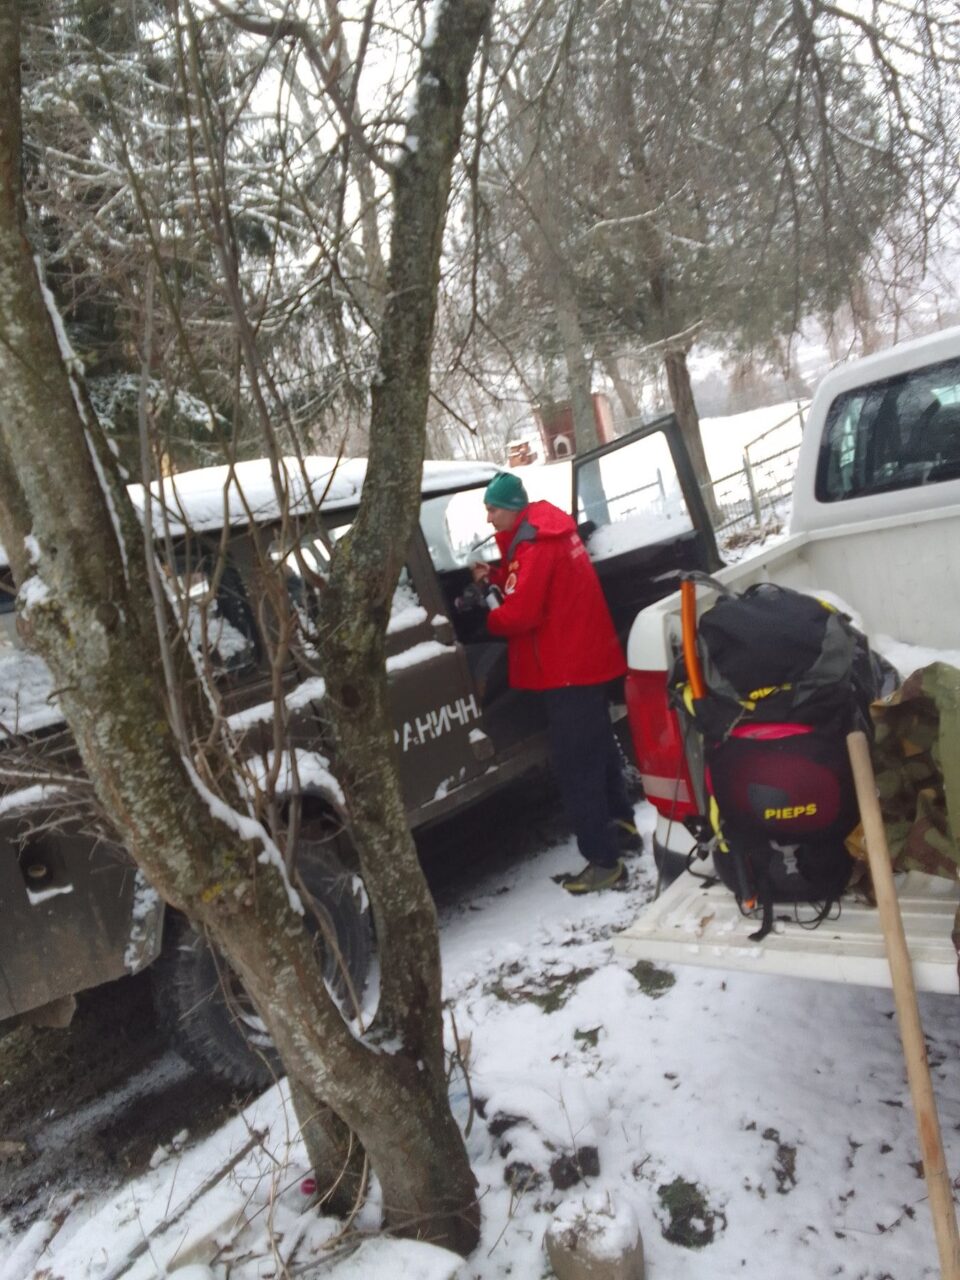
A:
{"points": [[899, 433]]}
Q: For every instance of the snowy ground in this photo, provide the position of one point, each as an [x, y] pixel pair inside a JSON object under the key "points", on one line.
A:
{"points": [[782, 1104]]}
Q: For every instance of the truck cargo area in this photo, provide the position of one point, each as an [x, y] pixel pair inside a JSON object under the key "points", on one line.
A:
{"points": [[699, 922]]}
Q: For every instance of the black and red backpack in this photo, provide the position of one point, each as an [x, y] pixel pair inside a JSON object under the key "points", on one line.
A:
{"points": [[785, 678]]}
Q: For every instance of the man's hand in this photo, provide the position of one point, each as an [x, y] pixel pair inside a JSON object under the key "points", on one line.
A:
{"points": [[480, 571]]}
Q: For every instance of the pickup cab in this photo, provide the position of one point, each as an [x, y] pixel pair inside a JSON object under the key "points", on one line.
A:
{"points": [[243, 560], [875, 526]]}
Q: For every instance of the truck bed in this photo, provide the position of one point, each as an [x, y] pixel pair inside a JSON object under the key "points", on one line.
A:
{"points": [[692, 923]]}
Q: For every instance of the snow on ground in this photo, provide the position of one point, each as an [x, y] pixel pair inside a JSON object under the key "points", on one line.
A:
{"points": [[724, 439], [754, 1125]]}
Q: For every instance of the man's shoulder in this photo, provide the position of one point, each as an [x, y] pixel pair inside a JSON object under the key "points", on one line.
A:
{"points": [[549, 521]]}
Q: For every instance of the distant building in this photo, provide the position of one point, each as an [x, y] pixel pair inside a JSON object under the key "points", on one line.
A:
{"points": [[520, 453], [555, 423]]}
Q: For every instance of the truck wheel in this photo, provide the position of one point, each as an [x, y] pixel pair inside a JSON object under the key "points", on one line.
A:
{"points": [[202, 1005]]}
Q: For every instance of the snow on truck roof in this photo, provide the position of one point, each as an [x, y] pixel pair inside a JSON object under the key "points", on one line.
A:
{"points": [[214, 497], [211, 498]]}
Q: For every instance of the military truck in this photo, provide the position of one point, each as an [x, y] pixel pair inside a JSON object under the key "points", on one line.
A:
{"points": [[244, 561]]}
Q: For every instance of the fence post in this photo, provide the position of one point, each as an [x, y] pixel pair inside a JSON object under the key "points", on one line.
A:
{"points": [[754, 500]]}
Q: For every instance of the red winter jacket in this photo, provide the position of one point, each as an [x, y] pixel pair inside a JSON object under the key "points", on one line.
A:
{"points": [[553, 614]]}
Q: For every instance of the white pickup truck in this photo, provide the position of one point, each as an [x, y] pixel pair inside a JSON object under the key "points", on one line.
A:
{"points": [[875, 523]]}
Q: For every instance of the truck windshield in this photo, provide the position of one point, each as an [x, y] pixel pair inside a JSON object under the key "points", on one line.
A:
{"points": [[895, 434], [456, 529]]}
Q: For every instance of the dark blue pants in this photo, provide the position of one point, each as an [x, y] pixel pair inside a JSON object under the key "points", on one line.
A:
{"points": [[588, 768]]}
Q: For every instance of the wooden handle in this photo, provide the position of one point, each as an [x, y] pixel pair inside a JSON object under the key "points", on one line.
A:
{"points": [[908, 1014], [688, 631]]}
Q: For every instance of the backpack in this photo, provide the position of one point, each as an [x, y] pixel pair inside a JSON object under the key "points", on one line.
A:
{"points": [[786, 678]]}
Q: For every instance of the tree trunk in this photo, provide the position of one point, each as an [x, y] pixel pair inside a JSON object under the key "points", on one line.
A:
{"points": [[665, 317], [628, 400], [680, 389], [335, 1154], [545, 245], [355, 609], [578, 370], [590, 483], [78, 555], [684, 406]]}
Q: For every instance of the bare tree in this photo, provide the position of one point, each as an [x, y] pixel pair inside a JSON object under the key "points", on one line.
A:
{"points": [[173, 795]]}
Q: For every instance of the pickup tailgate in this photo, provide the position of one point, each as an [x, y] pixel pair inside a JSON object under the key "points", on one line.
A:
{"points": [[700, 924]]}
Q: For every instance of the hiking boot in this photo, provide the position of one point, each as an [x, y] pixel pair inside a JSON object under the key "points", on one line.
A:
{"points": [[629, 839], [594, 877]]}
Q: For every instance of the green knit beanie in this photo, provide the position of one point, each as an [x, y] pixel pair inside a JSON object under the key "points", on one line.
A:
{"points": [[506, 490]]}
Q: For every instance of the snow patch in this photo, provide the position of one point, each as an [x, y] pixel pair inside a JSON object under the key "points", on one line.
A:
{"points": [[27, 701], [607, 1224], [33, 593], [29, 797], [426, 651], [312, 690], [406, 611], [298, 771], [213, 497], [145, 917], [37, 896]]}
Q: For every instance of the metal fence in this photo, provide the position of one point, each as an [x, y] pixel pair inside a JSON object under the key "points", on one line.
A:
{"points": [[751, 502]]}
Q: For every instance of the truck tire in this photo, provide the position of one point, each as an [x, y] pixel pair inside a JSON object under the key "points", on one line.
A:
{"points": [[201, 1004]]}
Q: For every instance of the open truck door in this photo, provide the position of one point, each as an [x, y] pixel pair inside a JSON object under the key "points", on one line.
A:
{"points": [[641, 511], [642, 515]]}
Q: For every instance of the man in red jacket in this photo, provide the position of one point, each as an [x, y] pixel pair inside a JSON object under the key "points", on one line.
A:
{"points": [[561, 641]]}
